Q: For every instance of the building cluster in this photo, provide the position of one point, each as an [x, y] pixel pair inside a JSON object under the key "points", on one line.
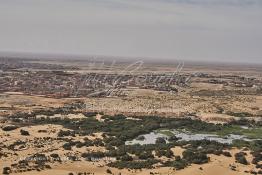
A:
{"points": [[229, 80], [12, 64], [58, 84]]}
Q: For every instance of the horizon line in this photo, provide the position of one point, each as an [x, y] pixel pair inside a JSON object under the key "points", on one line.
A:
{"points": [[82, 57]]}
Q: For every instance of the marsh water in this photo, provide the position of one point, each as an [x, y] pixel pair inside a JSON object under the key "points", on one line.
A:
{"points": [[185, 136]]}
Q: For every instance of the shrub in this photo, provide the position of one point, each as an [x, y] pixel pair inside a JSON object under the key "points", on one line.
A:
{"points": [[146, 155], [177, 164], [257, 157], [55, 157], [9, 128], [195, 157], [94, 155], [160, 140], [227, 154], [240, 158], [66, 133], [6, 170], [24, 132], [168, 153], [67, 146], [108, 171], [141, 138], [173, 139], [134, 164], [126, 158]]}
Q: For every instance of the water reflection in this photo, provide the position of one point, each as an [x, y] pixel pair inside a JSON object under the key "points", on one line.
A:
{"points": [[185, 136]]}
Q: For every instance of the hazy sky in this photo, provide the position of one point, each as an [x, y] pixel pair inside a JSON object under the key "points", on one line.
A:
{"points": [[214, 30]]}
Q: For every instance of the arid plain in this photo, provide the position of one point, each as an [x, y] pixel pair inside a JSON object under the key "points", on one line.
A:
{"points": [[82, 117]]}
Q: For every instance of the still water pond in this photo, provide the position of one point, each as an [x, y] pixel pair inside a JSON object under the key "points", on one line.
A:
{"points": [[185, 136]]}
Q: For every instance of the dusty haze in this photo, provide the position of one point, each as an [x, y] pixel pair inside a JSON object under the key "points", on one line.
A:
{"points": [[213, 30]]}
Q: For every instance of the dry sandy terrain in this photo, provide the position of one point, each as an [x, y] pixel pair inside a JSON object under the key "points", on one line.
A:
{"points": [[188, 101], [218, 165], [149, 102]]}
